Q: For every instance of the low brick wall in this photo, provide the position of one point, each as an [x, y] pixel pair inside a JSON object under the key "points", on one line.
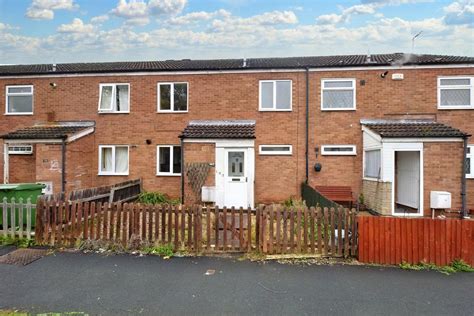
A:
{"points": [[378, 196]]}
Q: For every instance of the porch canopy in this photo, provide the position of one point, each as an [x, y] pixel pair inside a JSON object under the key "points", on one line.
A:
{"points": [[50, 132], [220, 129]]}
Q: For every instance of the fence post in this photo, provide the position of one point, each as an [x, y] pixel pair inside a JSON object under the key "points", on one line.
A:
{"points": [[39, 225], [258, 213], [28, 218]]}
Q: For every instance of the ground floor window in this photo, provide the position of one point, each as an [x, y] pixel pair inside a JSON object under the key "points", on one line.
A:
{"points": [[275, 149], [470, 162], [372, 163], [338, 150], [168, 160], [113, 160], [20, 149]]}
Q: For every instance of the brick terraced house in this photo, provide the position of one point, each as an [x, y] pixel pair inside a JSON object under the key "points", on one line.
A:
{"points": [[240, 132]]}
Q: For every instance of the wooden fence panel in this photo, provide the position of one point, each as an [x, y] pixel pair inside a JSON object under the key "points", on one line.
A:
{"points": [[16, 218], [415, 240]]}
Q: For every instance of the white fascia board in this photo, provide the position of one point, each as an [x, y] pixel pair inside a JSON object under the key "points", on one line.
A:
{"points": [[423, 140], [80, 134]]}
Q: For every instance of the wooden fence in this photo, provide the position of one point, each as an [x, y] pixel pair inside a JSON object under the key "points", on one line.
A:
{"points": [[17, 218], [270, 230], [391, 240], [119, 192]]}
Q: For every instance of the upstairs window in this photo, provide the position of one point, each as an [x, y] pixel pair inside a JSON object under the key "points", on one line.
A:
{"points": [[275, 95], [372, 164], [173, 97], [114, 98], [169, 160], [113, 160], [338, 94], [19, 100], [470, 162], [456, 93]]}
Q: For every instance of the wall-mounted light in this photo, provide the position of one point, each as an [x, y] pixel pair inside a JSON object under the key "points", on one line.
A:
{"points": [[148, 141], [384, 74], [316, 150], [53, 85]]}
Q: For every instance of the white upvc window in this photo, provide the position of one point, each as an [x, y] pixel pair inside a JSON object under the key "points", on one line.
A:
{"points": [[275, 95], [173, 97], [470, 162], [113, 160], [338, 150], [19, 100], [20, 149], [114, 98], [276, 150], [168, 160], [338, 94], [456, 93], [372, 164]]}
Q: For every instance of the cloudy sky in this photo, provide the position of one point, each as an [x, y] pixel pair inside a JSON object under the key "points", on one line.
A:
{"points": [[46, 31]]}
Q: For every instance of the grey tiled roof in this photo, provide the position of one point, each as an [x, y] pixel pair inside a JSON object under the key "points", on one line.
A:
{"points": [[220, 129], [237, 64], [416, 129], [51, 130]]}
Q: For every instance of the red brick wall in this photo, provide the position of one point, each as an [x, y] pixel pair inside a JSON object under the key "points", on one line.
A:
{"points": [[235, 96]]}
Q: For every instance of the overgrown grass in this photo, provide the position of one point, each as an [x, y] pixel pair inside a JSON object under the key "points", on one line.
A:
{"points": [[455, 266], [156, 198], [18, 242]]}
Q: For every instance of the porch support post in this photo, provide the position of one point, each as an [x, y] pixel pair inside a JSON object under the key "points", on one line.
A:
{"points": [[463, 180], [5, 164], [182, 170], [63, 165]]}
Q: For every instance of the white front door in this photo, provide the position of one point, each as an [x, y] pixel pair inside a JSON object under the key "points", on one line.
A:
{"points": [[408, 178], [236, 178]]}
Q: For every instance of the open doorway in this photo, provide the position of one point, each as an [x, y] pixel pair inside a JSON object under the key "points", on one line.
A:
{"points": [[408, 183]]}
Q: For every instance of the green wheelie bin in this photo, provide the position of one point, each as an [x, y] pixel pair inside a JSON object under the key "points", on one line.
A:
{"points": [[20, 190]]}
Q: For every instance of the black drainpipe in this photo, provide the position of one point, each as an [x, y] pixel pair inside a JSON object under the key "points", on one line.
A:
{"points": [[307, 125], [182, 171], [63, 164], [463, 179]]}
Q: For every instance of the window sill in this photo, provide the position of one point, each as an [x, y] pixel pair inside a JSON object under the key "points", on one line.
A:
{"points": [[172, 112], [349, 154], [275, 110], [275, 154], [113, 112], [461, 107], [469, 176], [26, 113], [372, 179], [113, 174], [339, 109], [168, 174]]}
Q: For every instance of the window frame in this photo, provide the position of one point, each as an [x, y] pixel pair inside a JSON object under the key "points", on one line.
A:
{"points": [[336, 153], [456, 87], [364, 166], [114, 89], [7, 95], [158, 94], [171, 173], [470, 155], [113, 173], [354, 88], [275, 153], [274, 109], [16, 152]]}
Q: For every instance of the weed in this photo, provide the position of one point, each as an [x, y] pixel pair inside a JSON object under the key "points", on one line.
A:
{"points": [[292, 201], [455, 266], [18, 242], [156, 198], [160, 250]]}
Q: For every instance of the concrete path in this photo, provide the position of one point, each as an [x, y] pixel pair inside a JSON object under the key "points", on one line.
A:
{"points": [[126, 285]]}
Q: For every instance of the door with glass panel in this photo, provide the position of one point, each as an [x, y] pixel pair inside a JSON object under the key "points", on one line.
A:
{"points": [[236, 178]]}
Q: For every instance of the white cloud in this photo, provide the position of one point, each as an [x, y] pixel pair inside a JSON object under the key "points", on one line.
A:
{"points": [[44, 9], [138, 12], [196, 17], [99, 19], [77, 26], [347, 13], [460, 12], [233, 23]]}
